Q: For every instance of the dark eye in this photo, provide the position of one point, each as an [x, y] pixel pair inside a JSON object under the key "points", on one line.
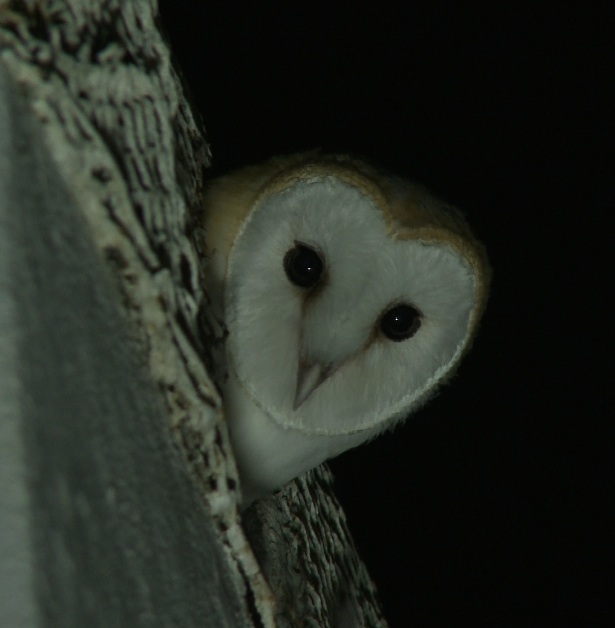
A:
{"points": [[400, 322], [303, 266]]}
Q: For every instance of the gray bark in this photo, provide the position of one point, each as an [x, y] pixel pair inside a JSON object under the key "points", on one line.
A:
{"points": [[116, 525], [119, 490]]}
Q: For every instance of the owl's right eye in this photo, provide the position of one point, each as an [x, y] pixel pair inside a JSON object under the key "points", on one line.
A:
{"points": [[400, 322], [303, 266]]}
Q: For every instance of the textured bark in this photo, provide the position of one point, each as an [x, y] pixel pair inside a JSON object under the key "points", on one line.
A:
{"points": [[122, 508]]}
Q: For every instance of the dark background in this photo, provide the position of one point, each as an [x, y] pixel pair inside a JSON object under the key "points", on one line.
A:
{"points": [[493, 505]]}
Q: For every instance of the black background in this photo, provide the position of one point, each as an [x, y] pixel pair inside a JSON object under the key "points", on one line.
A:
{"points": [[493, 505]]}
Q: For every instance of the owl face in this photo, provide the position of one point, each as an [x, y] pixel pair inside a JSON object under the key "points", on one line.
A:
{"points": [[346, 299]]}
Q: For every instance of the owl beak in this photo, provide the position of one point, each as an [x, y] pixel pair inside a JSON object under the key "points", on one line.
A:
{"points": [[309, 378]]}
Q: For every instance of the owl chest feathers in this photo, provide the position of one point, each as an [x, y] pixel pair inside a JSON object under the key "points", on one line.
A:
{"points": [[268, 455]]}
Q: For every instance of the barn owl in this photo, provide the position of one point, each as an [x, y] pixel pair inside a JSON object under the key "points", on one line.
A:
{"points": [[348, 294]]}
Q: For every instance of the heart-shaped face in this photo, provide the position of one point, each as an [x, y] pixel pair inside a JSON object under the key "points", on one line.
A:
{"points": [[347, 298], [335, 325]]}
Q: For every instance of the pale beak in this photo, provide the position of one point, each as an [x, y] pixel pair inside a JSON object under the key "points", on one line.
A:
{"points": [[309, 378]]}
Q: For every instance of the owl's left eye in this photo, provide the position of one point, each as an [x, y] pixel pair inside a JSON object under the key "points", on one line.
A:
{"points": [[400, 322], [303, 266]]}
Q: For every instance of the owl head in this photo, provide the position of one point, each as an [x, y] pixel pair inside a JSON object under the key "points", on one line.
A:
{"points": [[348, 294]]}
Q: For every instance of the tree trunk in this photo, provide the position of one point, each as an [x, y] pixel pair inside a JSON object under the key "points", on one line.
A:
{"points": [[119, 489]]}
